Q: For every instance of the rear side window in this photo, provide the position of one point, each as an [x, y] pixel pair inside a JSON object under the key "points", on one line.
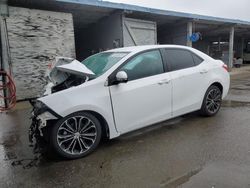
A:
{"points": [[197, 60], [179, 59]]}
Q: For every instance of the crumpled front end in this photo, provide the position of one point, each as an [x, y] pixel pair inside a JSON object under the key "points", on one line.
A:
{"points": [[41, 117], [65, 73]]}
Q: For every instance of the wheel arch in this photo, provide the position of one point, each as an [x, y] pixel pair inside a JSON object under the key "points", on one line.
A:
{"points": [[203, 110], [102, 120], [218, 84], [215, 83]]}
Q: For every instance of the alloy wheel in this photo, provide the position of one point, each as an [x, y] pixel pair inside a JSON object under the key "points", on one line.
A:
{"points": [[213, 101], [76, 135]]}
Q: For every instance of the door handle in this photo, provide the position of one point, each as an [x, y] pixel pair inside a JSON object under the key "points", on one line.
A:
{"points": [[161, 82], [165, 81], [203, 71]]}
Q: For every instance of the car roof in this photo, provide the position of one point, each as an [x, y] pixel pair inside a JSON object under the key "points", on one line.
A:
{"points": [[146, 47], [137, 49]]}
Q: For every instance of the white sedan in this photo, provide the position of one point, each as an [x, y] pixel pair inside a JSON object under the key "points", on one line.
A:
{"points": [[121, 90]]}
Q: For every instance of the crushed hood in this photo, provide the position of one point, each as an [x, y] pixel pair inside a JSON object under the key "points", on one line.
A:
{"points": [[60, 70], [65, 73], [75, 67]]}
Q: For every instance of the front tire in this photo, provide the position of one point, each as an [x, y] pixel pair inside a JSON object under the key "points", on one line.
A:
{"points": [[212, 101], [76, 135]]}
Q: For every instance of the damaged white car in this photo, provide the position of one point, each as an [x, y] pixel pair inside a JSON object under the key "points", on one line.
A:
{"points": [[121, 90]]}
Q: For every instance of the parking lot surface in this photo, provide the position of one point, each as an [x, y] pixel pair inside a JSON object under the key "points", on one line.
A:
{"points": [[189, 151]]}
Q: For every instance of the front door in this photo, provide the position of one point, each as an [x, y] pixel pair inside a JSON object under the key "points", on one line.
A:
{"points": [[146, 97]]}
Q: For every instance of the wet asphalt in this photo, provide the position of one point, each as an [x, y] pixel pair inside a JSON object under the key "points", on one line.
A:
{"points": [[188, 152]]}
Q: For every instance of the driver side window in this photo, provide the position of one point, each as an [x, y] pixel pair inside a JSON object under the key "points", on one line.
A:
{"points": [[144, 65]]}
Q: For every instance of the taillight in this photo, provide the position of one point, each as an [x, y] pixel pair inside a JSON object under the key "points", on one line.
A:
{"points": [[225, 67]]}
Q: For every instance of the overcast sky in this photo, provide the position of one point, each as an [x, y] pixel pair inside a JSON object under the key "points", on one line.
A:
{"points": [[236, 9]]}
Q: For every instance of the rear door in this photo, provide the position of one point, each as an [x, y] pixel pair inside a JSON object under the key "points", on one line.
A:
{"points": [[188, 75], [146, 97]]}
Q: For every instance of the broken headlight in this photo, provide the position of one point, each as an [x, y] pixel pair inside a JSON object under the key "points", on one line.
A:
{"points": [[38, 107]]}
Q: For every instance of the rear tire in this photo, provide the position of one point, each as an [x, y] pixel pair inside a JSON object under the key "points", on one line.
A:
{"points": [[212, 101], [76, 135]]}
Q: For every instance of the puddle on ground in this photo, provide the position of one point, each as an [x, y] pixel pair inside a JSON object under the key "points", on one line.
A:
{"points": [[38, 158], [10, 156], [241, 88], [27, 163], [36, 161], [180, 180], [230, 103]]}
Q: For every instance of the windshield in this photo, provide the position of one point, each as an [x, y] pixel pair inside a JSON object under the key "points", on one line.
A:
{"points": [[100, 63]]}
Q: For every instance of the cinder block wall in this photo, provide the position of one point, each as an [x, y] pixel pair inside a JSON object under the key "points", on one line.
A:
{"points": [[36, 37]]}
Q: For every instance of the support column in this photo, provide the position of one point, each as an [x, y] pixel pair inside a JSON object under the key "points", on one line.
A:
{"points": [[4, 60], [4, 49], [219, 44], [242, 47], [189, 33], [4, 12], [208, 49], [231, 47]]}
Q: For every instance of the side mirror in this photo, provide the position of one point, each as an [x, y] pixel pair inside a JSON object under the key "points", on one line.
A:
{"points": [[121, 77]]}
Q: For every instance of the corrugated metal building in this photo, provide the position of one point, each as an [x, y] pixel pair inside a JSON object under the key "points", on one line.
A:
{"points": [[38, 31]]}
